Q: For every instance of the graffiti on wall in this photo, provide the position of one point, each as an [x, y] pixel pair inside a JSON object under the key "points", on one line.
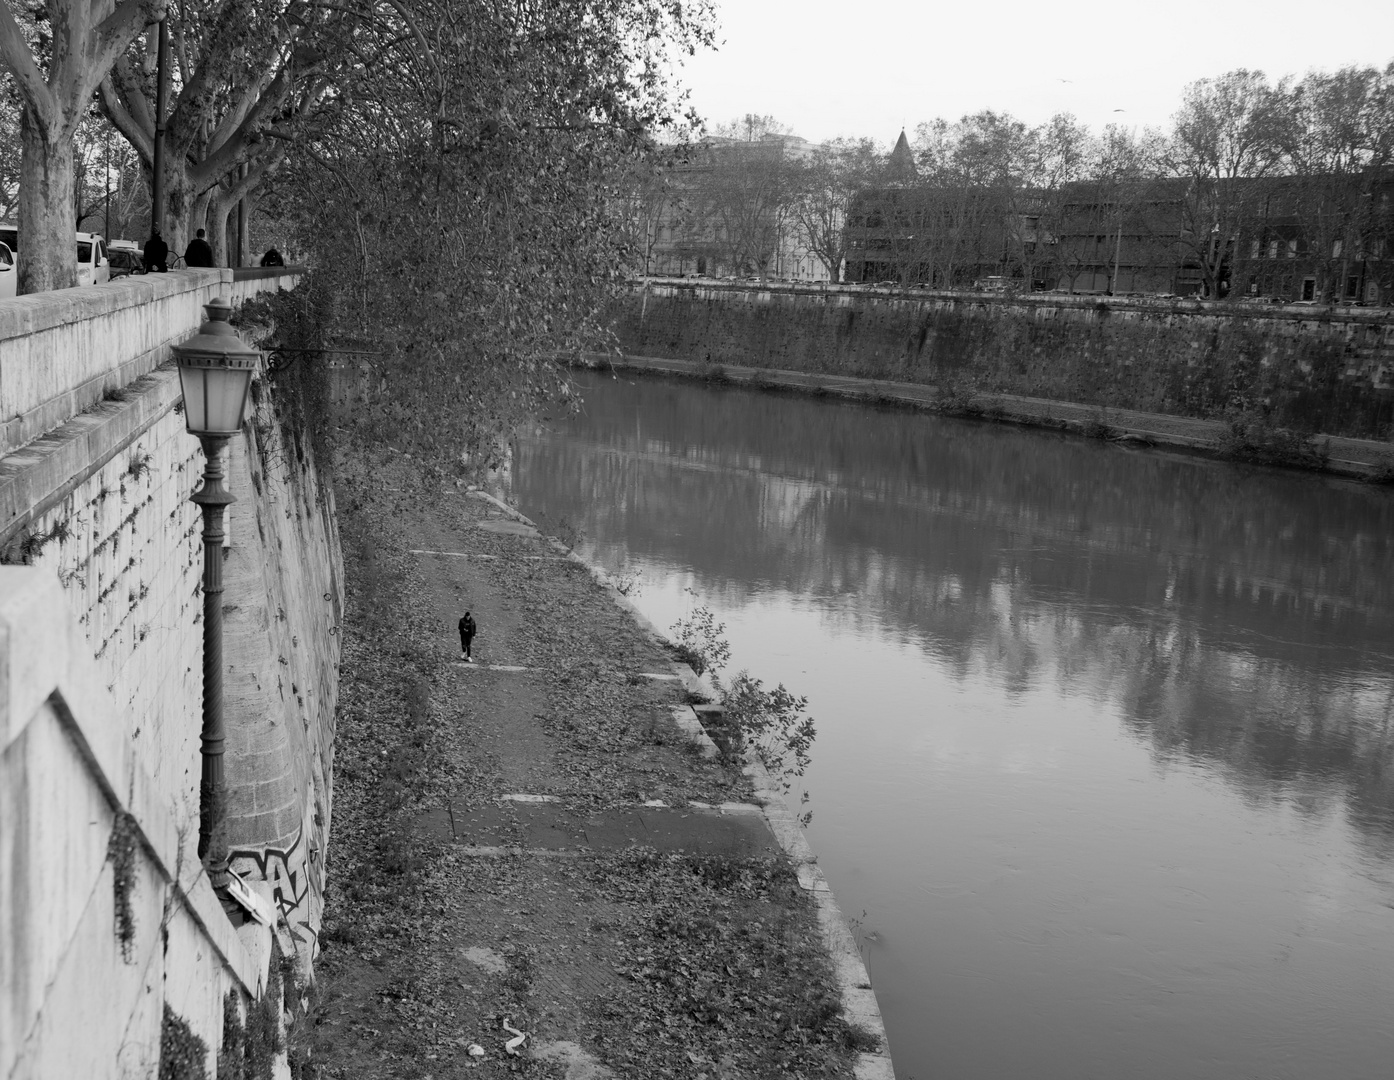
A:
{"points": [[293, 873]]}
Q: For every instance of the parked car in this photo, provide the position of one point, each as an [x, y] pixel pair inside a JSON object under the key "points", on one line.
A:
{"points": [[93, 267], [126, 258], [9, 273]]}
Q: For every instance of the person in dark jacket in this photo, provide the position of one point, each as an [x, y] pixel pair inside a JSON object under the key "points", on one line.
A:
{"points": [[156, 251], [467, 629], [272, 258], [198, 253]]}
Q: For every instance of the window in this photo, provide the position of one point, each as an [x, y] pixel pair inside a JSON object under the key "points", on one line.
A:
{"points": [[1272, 249], [1352, 288], [1253, 249], [1309, 288], [84, 252], [1335, 249], [1292, 249]]}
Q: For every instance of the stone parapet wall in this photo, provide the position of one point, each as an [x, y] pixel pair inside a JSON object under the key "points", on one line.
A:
{"points": [[62, 351], [1314, 369], [97, 511]]}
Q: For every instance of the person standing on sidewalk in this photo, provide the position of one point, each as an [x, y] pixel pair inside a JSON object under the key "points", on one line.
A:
{"points": [[156, 252], [199, 252], [467, 629]]}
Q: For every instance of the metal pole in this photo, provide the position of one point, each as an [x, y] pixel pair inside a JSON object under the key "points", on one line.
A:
{"points": [[213, 498], [1118, 249], [157, 193], [242, 221]]}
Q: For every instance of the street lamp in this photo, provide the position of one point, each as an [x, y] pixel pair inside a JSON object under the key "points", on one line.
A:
{"points": [[215, 375]]}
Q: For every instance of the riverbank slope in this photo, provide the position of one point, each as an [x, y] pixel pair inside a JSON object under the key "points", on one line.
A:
{"points": [[1273, 383], [531, 840]]}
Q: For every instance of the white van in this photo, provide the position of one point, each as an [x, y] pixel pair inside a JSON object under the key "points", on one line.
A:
{"points": [[93, 266], [9, 272]]}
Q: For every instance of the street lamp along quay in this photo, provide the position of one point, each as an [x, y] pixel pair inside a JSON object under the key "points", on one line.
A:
{"points": [[215, 375]]}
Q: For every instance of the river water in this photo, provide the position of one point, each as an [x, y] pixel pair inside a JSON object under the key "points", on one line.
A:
{"points": [[1105, 755]]}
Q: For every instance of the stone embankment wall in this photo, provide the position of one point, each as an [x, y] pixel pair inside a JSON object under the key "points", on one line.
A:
{"points": [[1311, 369], [109, 928]]}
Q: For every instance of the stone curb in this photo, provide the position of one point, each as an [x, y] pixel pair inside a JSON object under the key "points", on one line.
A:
{"points": [[854, 983]]}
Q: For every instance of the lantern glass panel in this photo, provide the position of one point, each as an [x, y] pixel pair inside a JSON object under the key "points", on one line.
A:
{"points": [[214, 398]]}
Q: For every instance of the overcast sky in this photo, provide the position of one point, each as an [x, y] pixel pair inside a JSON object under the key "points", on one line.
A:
{"points": [[869, 67]]}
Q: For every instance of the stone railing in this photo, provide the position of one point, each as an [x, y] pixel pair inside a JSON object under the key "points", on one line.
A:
{"points": [[63, 351]]}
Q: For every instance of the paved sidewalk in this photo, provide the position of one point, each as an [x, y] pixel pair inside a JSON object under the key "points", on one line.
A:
{"points": [[582, 864]]}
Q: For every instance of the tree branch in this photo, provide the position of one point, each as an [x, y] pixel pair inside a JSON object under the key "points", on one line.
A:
{"points": [[14, 51], [113, 36], [139, 135]]}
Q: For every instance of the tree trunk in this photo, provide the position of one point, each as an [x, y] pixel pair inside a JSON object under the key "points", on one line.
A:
{"points": [[47, 222], [219, 208], [179, 202]]}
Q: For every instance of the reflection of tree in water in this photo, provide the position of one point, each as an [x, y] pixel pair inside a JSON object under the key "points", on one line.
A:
{"points": [[1237, 616]]}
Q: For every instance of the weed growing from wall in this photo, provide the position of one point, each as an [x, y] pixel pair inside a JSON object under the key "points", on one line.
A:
{"points": [[299, 318], [250, 1047], [770, 725], [698, 641], [138, 466], [121, 853], [182, 1053]]}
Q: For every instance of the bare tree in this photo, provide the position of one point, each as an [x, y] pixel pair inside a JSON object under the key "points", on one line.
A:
{"points": [[743, 192], [824, 187], [1340, 145], [1227, 139]]}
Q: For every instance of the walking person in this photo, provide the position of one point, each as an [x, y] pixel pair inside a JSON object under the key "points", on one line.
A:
{"points": [[467, 629], [199, 252]]}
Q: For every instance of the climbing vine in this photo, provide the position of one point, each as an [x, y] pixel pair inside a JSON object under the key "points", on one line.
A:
{"points": [[250, 1047], [183, 1054], [121, 853]]}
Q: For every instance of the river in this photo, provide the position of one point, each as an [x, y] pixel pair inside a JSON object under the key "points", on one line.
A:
{"points": [[1105, 757]]}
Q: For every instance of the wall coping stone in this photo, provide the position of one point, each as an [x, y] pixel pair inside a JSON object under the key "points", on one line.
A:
{"points": [[1219, 309], [23, 315], [73, 324]]}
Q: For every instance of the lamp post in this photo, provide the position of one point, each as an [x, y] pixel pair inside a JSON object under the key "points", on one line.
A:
{"points": [[215, 375]]}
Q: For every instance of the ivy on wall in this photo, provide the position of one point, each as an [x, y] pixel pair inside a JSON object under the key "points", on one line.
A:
{"points": [[121, 853], [183, 1053]]}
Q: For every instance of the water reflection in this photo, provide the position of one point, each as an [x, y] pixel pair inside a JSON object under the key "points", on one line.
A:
{"points": [[1243, 617], [1105, 736]]}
